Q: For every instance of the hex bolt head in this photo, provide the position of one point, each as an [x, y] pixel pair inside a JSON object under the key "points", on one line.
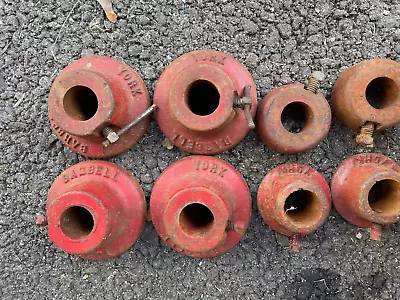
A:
{"points": [[113, 137]]}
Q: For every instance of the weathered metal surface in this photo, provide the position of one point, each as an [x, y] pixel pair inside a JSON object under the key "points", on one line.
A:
{"points": [[311, 107], [294, 200], [95, 210], [196, 96], [368, 92], [366, 191], [91, 98], [201, 206]]}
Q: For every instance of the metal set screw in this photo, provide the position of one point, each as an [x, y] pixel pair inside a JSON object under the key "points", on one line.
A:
{"points": [[245, 103], [365, 136], [239, 227], [112, 136], [314, 81]]}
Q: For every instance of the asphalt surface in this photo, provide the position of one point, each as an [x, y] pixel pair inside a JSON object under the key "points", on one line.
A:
{"points": [[279, 42]]}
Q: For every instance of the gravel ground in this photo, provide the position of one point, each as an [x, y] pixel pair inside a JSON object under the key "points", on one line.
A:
{"points": [[279, 41]]}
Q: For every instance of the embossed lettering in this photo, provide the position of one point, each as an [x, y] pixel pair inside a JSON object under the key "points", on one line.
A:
{"points": [[106, 174], [293, 168], [99, 169], [132, 83], [74, 176], [227, 141], [115, 175], [219, 59], [218, 144], [68, 138], [214, 168], [211, 167], [175, 137], [75, 143], [191, 144], [90, 170], [222, 172], [371, 158], [199, 146]]}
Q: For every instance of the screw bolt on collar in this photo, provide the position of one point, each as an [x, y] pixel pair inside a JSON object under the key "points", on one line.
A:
{"points": [[198, 96], [366, 135], [90, 98], [366, 96], [245, 103], [113, 137], [314, 81]]}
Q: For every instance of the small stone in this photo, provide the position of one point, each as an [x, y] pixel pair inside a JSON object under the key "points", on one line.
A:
{"points": [[359, 235], [249, 26], [146, 178], [252, 60], [150, 162], [143, 20]]}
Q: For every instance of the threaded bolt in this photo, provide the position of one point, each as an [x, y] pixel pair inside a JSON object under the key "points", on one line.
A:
{"points": [[314, 81], [376, 232], [295, 241], [110, 134], [365, 136], [239, 227], [245, 103]]}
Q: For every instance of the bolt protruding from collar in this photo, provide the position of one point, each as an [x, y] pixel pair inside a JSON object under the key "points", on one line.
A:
{"points": [[294, 243], [376, 232], [113, 137], [366, 134], [245, 103], [314, 81]]}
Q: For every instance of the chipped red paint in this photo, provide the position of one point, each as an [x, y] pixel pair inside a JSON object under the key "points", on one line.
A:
{"points": [[201, 206], [317, 119], [95, 210], [287, 180], [185, 114], [349, 95], [357, 201], [91, 93]]}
